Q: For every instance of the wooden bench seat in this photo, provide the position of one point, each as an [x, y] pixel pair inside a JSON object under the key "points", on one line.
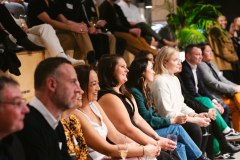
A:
{"points": [[29, 62]]}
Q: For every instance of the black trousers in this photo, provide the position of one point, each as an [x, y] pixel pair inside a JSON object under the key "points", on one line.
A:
{"points": [[232, 75], [164, 156], [147, 32], [100, 44], [121, 45], [10, 25], [216, 133], [195, 133]]}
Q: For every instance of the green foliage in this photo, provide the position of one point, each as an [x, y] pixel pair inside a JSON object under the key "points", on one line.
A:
{"points": [[190, 35], [203, 15], [192, 21]]}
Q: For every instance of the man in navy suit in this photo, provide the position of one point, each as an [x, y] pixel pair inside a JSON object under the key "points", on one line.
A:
{"points": [[192, 79], [191, 75]]}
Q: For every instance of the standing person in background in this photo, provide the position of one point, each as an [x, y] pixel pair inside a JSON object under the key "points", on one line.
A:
{"points": [[56, 89], [12, 111]]}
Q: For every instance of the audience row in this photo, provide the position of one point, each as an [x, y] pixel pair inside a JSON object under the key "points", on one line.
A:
{"points": [[89, 118]]}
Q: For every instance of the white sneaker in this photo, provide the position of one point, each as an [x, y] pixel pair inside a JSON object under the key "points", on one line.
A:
{"points": [[75, 62], [232, 135]]}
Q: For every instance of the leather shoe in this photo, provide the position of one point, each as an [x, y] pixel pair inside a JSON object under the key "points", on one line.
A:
{"points": [[230, 148], [9, 45], [28, 45]]}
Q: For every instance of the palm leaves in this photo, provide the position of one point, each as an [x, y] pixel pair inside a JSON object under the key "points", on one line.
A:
{"points": [[190, 35], [192, 21]]}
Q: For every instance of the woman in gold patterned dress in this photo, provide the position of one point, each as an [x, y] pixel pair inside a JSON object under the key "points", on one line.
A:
{"points": [[77, 147]]}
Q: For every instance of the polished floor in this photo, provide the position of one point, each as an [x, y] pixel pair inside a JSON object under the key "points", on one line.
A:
{"points": [[237, 156]]}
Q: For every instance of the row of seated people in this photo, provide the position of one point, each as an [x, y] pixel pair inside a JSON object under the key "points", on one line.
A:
{"points": [[159, 110], [224, 127], [225, 55], [42, 136], [225, 44], [196, 95], [135, 19], [78, 26]]}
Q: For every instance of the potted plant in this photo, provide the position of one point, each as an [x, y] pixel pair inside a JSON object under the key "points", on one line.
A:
{"points": [[191, 22]]}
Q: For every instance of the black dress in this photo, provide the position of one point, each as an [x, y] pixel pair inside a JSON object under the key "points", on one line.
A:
{"points": [[131, 109]]}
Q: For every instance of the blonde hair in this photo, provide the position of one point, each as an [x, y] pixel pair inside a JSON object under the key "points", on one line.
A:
{"points": [[163, 55]]}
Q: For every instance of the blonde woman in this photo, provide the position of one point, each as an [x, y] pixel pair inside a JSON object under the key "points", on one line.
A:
{"points": [[168, 97]]}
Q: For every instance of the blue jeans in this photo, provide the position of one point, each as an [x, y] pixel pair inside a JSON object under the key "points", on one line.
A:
{"points": [[190, 151]]}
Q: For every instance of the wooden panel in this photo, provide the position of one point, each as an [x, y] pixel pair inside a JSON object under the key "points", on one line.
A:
{"points": [[128, 57], [29, 61]]}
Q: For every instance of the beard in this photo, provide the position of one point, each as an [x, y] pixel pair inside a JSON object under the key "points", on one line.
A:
{"points": [[62, 103]]}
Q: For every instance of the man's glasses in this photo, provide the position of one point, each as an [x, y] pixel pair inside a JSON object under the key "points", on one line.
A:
{"points": [[18, 103]]}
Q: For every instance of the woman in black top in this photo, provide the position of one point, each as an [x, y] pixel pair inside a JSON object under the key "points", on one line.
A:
{"points": [[121, 107]]}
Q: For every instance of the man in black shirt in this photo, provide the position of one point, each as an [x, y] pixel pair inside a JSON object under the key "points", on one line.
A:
{"points": [[56, 90], [120, 27], [80, 11], [71, 34]]}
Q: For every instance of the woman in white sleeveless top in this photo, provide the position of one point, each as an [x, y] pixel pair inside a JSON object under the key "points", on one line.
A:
{"points": [[91, 113]]}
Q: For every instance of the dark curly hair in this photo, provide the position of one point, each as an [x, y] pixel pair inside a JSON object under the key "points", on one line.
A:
{"points": [[136, 80]]}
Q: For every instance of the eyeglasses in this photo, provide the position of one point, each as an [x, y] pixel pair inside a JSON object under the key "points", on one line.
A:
{"points": [[17, 103]]}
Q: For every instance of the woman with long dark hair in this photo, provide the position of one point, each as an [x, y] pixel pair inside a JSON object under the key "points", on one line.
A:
{"points": [[140, 74], [121, 108], [87, 126]]}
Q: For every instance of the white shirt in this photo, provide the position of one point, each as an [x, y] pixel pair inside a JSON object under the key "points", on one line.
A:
{"points": [[101, 129], [131, 12], [194, 71], [167, 95], [38, 105]]}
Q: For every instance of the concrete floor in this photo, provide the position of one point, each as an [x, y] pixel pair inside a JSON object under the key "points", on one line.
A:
{"points": [[237, 156]]}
